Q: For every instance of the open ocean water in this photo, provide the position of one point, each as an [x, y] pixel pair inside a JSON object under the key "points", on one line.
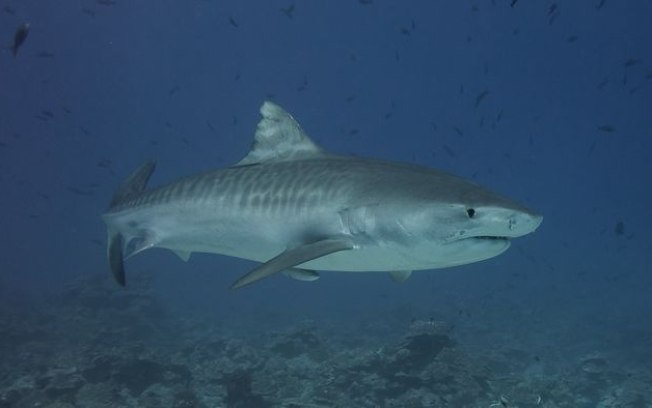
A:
{"points": [[548, 102]]}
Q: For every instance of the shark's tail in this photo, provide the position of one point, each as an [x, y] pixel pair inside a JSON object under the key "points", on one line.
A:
{"points": [[129, 189]]}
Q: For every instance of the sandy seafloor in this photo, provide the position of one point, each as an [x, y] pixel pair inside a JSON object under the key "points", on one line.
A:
{"points": [[94, 345]]}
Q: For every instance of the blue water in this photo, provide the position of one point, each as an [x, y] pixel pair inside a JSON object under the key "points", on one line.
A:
{"points": [[547, 102]]}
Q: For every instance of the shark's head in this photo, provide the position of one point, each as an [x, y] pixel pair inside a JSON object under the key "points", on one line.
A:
{"points": [[468, 224]]}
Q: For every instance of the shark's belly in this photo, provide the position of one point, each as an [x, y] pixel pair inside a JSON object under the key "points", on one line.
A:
{"points": [[261, 242]]}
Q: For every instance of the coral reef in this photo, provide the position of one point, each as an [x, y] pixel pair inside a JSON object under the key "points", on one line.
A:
{"points": [[96, 347]]}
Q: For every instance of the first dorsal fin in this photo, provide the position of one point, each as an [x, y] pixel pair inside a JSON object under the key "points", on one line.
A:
{"points": [[279, 138], [134, 184]]}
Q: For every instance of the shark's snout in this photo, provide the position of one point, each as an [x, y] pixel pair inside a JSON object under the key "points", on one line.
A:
{"points": [[524, 223]]}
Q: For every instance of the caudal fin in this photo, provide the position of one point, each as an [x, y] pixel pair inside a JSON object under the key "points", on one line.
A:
{"points": [[133, 186], [116, 260]]}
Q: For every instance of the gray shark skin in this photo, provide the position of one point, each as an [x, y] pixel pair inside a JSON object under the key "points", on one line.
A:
{"points": [[297, 209]]}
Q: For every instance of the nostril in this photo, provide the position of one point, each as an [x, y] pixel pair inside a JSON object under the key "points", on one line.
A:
{"points": [[470, 212]]}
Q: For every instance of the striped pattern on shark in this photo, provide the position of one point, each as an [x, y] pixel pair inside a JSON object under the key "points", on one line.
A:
{"points": [[297, 209]]}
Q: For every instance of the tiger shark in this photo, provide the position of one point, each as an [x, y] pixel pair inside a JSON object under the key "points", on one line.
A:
{"points": [[298, 209]]}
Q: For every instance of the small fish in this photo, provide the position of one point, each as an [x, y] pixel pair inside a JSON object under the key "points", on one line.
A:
{"points": [[449, 151], [606, 128], [572, 39], [88, 11], [600, 5], [631, 62], [233, 22], [480, 97], [553, 13], [288, 11], [303, 86], [210, 126], [80, 191], [9, 10], [45, 54], [593, 146], [620, 228], [104, 163], [513, 3], [19, 38]]}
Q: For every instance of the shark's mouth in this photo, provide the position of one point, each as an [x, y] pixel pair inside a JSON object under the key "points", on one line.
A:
{"points": [[492, 237]]}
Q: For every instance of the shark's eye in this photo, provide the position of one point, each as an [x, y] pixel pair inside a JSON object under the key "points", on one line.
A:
{"points": [[470, 212]]}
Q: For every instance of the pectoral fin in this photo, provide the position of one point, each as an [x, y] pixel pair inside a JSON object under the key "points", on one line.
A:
{"points": [[304, 275], [184, 255], [400, 276], [294, 257]]}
